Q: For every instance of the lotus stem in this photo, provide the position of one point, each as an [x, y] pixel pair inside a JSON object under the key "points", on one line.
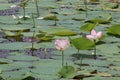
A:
{"points": [[34, 25], [33, 43], [86, 11], [24, 13], [67, 68], [78, 51], [95, 50], [81, 60], [45, 52], [55, 21], [62, 58], [33, 34], [37, 8]]}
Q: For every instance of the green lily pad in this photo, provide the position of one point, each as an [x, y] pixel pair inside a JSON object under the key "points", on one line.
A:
{"points": [[15, 28], [115, 68], [29, 78], [88, 26], [114, 29], [0, 71], [51, 17], [30, 34], [2, 39], [9, 33], [59, 31], [4, 61], [14, 46], [47, 38], [111, 5], [78, 19], [100, 21], [23, 57], [67, 72], [94, 0], [82, 43]]}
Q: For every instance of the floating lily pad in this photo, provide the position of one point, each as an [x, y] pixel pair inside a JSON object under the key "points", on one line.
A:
{"points": [[9, 33], [114, 29], [51, 17], [0, 71], [14, 46], [82, 43], [60, 31], [88, 26], [1, 39], [15, 28], [29, 34], [67, 72], [100, 21], [19, 64], [111, 5], [94, 0]]}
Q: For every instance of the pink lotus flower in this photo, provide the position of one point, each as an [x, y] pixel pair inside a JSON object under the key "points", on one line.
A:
{"points": [[62, 44], [95, 36]]}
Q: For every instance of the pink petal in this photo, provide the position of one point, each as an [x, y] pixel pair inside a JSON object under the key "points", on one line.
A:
{"points": [[58, 44], [65, 43], [93, 32], [90, 37], [99, 34], [62, 44]]}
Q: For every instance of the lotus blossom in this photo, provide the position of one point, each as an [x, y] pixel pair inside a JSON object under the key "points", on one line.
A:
{"points": [[95, 36], [62, 44]]}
